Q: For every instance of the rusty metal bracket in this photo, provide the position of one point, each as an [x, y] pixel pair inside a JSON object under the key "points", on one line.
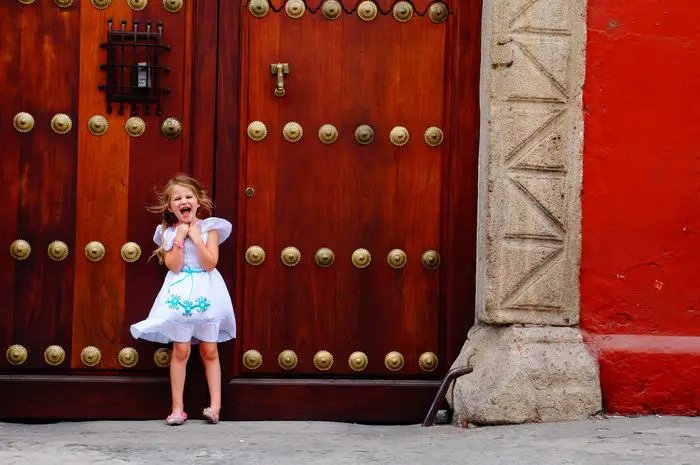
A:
{"points": [[449, 377]]}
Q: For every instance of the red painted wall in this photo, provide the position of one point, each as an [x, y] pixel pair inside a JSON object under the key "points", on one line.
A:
{"points": [[640, 270]]}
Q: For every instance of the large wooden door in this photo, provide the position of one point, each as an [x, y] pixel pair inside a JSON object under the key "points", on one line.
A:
{"points": [[76, 187], [365, 199], [76, 195], [351, 280]]}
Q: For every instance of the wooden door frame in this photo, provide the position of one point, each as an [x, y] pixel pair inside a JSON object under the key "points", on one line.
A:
{"points": [[332, 399]]}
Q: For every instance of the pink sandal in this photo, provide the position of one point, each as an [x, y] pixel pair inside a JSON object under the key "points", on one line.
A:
{"points": [[210, 415], [176, 419]]}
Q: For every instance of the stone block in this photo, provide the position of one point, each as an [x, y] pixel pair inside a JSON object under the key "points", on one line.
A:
{"points": [[525, 374]]}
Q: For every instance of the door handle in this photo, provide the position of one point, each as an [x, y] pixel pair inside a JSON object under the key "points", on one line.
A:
{"points": [[280, 69]]}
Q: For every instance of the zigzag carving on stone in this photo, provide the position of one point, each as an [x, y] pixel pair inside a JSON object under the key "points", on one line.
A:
{"points": [[544, 151], [534, 194], [530, 278], [546, 211], [542, 17], [557, 82], [534, 138]]}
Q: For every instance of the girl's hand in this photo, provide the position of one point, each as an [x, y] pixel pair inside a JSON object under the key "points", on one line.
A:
{"points": [[181, 232], [195, 233]]}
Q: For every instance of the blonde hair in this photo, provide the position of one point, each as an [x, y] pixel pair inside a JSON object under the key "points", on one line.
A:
{"points": [[163, 197]]}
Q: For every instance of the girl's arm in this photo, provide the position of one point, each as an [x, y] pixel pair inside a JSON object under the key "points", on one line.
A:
{"points": [[175, 257], [208, 254]]}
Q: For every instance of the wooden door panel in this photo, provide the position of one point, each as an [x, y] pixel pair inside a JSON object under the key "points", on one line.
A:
{"points": [[78, 187], [306, 189], [259, 57], [285, 176], [9, 170], [343, 196], [369, 213], [152, 160], [102, 212], [421, 183], [40, 197], [394, 200]]}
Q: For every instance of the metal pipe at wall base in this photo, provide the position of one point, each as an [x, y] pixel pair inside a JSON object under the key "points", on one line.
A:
{"points": [[449, 377]]}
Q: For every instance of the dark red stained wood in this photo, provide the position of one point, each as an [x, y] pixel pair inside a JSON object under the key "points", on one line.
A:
{"points": [[201, 130], [227, 174], [122, 398], [393, 201], [259, 209], [84, 397], [102, 209], [343, 196], [286, 176], [9, 165], [46, 181], [384, 5], [369, 214], [153, 159], [350, 6], [420, 104], [188, 58], [412, 197], [310, 291], [360, 401], [304, 296], [461, 171], [421, 6], [386, 291]]}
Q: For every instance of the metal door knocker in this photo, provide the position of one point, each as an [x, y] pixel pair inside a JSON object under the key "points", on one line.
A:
{"points": [[279, 69]]}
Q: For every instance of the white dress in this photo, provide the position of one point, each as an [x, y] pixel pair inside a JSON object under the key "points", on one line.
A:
{"points": [[193, 305]]}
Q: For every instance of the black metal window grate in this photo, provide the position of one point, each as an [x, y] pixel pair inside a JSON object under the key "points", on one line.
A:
{"points": [[134, 67]]}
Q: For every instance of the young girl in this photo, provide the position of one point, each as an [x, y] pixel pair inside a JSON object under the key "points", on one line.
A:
{"points": [[193, 305]]}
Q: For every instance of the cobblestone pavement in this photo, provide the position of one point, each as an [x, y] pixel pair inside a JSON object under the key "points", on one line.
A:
{"points": [[641, 441]]}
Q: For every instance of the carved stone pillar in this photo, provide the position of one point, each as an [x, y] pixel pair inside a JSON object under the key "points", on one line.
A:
{"points": [[530, 362]]}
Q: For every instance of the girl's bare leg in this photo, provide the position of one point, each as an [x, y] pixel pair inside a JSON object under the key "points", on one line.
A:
{"points": [[178, 369], [212, 369]]}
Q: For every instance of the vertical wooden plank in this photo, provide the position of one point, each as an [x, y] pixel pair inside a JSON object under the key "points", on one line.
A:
{"points": [[420, 182], [9, 165], [227, 175], [153, 159], [189, 12], [460, 170], [304, 213], [203, 90], [369, 209], [43, 288], [315, 212], [261, 304], [102, 209]]}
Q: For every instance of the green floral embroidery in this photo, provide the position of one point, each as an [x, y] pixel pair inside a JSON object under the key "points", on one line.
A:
{"points": [[200, 304]]}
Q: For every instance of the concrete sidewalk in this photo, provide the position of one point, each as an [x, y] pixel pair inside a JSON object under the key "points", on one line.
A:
{"points": [[640, 441]]}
